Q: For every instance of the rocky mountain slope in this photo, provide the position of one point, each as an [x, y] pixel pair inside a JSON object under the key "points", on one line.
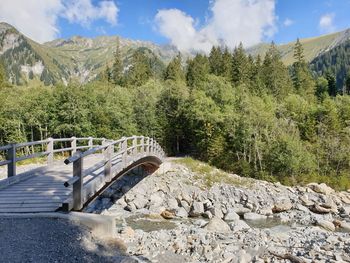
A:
{"points": [[313, 47], [83, 59], [190, 212], [61, 60]]}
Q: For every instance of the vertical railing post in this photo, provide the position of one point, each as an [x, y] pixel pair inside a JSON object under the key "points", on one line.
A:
{"points": [[78, 185], [148, 145], [142, 142], [108, 164], [73, 145], [49, 151], [90, 143], [103, 142], [11, 156], [134, 150], [124, 147]]}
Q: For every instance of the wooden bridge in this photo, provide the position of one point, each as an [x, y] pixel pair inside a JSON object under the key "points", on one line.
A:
{"points": [[69, 185]]}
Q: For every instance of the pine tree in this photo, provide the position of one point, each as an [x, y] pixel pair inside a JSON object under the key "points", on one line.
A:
{"points": [[174, 70], [332, 86], [140, 69], [275, 74], [301, 75], [117, 68], [197, 69], [347, 84], [240, 66], [226, 64], [215, 61]]}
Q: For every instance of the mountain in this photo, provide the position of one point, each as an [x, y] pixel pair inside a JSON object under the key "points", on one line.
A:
{"points": [[83, 59], [62, 60], [313, 47]]}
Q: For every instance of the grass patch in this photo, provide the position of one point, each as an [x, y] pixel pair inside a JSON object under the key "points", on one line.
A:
{"points": [[209, 175]]}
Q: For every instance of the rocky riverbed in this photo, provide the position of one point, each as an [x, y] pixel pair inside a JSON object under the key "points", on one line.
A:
{"points": [[195, 213]]}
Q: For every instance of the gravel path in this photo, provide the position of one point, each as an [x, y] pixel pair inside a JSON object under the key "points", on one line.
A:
{"points": [[53, 240]]}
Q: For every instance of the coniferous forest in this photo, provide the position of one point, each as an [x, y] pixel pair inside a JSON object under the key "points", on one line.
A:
{"points": [[253, 116]]}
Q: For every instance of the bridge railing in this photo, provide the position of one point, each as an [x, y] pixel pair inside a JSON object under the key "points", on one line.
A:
{"points": [[123, 152], [48, 149]]}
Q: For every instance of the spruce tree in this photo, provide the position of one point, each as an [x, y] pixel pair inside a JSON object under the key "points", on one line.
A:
{"points": [[240, 65], [197, 69], [226, 64], [347, 84], [174, 70], [140, 69], [215, 61], [332, 86], [117, 68], [301, 75], [275, 74]]}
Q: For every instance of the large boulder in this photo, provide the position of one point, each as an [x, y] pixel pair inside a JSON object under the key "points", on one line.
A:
{"points": [[325, 224], [197, 209], [321, 188], [217, 225], [320, 209], [166, 214], [140, 201], [181, 212], [239, 225], [282, 205], [216, 211], [305, 200], [231, 215]]}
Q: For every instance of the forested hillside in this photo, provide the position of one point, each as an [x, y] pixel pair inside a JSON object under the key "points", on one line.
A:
{"points": [[251, 116], [336, 61]]}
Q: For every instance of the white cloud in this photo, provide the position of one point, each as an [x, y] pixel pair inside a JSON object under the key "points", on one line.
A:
{"points": [[326, 23], [84, 12], [231, 22], [38, 19], [288, 22]]}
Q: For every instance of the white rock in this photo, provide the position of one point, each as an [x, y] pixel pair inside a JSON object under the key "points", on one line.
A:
{"points": [[239, 225], [181, 212], [197, 209], [216, 211], [231, 215], [282, 205], [140, 201], [217, 225], [326, 224], [321, 188]]}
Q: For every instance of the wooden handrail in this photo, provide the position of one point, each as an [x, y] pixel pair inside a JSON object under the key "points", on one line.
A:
{"points": [[12, 158], [127, 154]]}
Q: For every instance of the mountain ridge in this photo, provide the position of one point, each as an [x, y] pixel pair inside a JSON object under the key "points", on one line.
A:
{"points": [[84, 58]]}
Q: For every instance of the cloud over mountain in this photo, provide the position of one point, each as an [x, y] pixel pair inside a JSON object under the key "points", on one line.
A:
{"points": [[231, 22], [38, 19]]}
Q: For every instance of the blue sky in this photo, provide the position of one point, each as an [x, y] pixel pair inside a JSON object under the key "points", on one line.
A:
{"points": [[188, 24]]}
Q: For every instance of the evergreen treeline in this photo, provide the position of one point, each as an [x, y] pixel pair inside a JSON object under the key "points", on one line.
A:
{"points": [[335, 63], [251, 116]]}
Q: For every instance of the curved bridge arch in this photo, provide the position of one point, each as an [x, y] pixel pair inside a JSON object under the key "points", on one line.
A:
{"points": [[119, 157], [151, 163]]}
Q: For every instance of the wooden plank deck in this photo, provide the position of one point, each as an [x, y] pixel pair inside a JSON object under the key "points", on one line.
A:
{"points": [[41, 191]]}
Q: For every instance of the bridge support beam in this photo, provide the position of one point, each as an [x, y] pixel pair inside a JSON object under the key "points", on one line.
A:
{"points": [[78, 185], [50, 151], [108, 165], [11, 156]]}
